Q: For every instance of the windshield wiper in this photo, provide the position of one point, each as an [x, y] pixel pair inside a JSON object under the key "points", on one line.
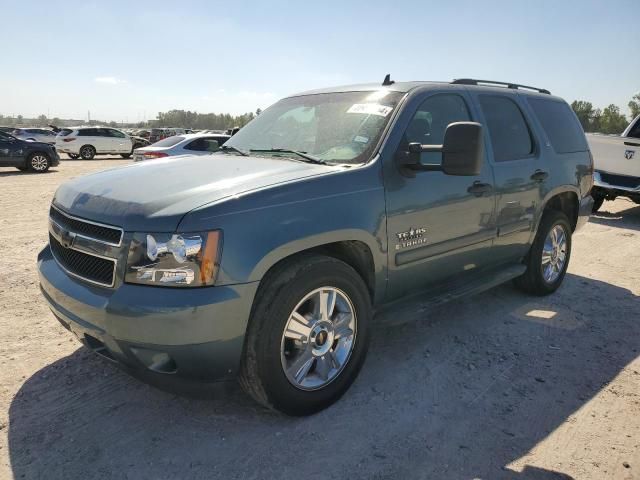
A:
{"points": [[231, 148], [304, 155]]}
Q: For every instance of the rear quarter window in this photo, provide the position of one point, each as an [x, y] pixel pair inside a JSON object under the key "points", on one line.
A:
{"points": [[560, 124], [508, 130], [169, 141]]}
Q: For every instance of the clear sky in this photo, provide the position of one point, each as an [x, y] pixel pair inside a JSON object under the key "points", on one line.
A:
{"points": [[125, 61]]}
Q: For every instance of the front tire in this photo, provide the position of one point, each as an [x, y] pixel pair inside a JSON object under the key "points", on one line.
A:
{"points": [[39, 162], [87, 152], [308, 335], [548, 258]]}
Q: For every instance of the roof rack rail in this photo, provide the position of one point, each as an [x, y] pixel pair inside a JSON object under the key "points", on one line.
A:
{"points": [[473, 81]]}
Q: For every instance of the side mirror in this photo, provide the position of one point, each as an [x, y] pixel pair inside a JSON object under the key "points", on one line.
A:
{"points": [[462, 151]]}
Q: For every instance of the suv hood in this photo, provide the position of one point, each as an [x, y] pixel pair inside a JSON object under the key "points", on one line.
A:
{"points": [[155, 195]]}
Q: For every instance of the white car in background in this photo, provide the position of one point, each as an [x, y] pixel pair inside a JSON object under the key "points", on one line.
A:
{"points": [[87, 142], [35, 134], [188, 144]]}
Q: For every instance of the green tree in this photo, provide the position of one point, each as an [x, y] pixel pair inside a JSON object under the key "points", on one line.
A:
{"points": [[585, 113], [634, 105], [612, 121]]}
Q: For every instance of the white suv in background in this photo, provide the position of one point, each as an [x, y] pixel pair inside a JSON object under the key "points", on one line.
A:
{"points": [[87, 142], [35, 134]]}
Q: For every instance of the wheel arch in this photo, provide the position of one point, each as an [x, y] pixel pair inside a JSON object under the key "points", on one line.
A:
{"points": [[565, 199], [352, 249]]}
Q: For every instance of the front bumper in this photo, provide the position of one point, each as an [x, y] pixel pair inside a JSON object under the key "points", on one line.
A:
{"points": [[599, 182], [195, 334], [55, 158]]}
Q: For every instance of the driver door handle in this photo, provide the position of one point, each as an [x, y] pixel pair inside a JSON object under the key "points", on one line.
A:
{"points": [[479, 188], [539, 176]]}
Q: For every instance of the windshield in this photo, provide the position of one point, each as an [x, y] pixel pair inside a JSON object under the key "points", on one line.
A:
{"points": [[334, 127]]}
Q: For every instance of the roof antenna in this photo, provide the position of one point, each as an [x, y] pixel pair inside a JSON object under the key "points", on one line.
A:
{"points": [[387, 80]]}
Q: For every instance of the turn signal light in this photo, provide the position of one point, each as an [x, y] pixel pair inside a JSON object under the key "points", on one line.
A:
{"points": [[68, 140], [155, 154]]}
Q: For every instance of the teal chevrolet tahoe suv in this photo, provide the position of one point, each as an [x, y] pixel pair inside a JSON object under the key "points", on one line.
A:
{"points": [[267, 260]]}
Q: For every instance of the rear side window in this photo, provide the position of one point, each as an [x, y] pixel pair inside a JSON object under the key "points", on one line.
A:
{"points": [[508, 130], [113, 133], [560, 124], [88, 132], [169, 142], [208, 144]]}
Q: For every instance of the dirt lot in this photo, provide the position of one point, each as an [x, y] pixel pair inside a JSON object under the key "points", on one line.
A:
{"points": [[500, 385]]}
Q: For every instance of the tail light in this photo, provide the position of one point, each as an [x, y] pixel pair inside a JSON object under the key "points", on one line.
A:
{"points": [[66, 140], [155, 154]]}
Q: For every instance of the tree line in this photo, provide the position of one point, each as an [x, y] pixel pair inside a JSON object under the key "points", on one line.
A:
{"points": [[609, 120], [172, 118], [201, 121]]}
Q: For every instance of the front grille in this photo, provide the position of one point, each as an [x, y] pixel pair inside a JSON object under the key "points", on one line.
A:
{"points": [[88, 267], [620, 180], [102, 233]]}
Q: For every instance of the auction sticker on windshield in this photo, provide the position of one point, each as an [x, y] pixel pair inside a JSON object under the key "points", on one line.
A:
{"points": [[370, 109]]}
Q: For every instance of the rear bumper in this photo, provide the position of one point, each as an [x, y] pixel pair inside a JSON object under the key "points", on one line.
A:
{"points": [[67, 148], [194, 334]]}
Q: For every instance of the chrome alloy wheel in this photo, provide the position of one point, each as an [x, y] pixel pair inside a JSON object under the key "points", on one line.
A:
{"points": [[318, 338], [554, 254], [39, 163]]}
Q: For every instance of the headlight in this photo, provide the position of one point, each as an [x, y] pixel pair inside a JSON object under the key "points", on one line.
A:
{"points": [[174, 259]]}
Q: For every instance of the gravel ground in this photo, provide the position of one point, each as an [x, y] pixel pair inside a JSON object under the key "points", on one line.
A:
{"points": [[500, 385]]}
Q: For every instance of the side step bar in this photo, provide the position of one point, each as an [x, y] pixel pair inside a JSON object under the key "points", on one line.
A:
{"points": [[440, 294]]}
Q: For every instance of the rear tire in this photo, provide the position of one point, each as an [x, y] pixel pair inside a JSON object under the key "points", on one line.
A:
{"points": [[126, 155], [548, 258], [598, 200], [274, 359], [39, 162], [87, 152]]}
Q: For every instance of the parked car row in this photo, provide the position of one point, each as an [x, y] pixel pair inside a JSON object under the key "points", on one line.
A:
{"points": [[88, 141]]}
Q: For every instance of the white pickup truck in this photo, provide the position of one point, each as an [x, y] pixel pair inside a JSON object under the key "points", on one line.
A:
{"points": [[616, 160]]}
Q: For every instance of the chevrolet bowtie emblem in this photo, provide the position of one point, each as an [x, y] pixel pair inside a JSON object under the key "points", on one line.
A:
{"points": [[67, 238]]}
